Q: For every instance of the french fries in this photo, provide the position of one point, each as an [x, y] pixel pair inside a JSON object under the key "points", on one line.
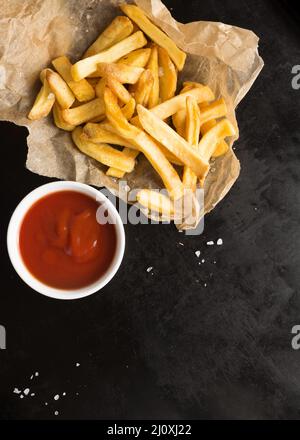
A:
{"points": [[44, 101], [83, 91], [155, 34], [85, 67], [192, 136], [167, 75], [222, 146], [84, 113], [153, 67], [164, 134], [121, 72], [103, 153], [115, 172], [216, 110], [60, 88], [100, 135], [155, 201], [210, 140], [142, 90], [119, 90], [178, 103], [59, 121], [128, 109], [120, 28], [137, 58], [121, 94]]}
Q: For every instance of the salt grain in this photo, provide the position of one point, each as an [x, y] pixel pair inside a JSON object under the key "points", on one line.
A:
{"points": [[26, 391], [210, 243], [220, 242], [56, 413], [77, 365], [203, 260], [198, 253], [149, 269], [17, 391], [56, 397]]}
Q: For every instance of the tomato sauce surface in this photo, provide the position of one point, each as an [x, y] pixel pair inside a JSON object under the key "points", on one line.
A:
{"points": [[61, 242]]}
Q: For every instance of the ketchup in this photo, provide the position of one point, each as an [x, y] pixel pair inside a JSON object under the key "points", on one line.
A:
{"points": [[61, 242]]}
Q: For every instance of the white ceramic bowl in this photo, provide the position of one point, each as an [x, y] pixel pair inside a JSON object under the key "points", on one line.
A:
{"points": [[14, 248]]}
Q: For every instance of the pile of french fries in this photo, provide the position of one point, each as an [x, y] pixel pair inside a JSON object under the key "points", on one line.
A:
{"points": [[120, 101]]}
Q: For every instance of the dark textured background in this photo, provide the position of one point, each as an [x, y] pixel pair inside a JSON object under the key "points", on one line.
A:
{"points": [[164, 345]]}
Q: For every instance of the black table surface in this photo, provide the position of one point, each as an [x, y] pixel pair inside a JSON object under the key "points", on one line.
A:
{"points": [[189, 340]]}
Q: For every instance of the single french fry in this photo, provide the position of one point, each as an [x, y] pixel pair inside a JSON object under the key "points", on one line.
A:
{"points": [[145, 144], [137, 58], [192, 136], [100, 87], [153, 67], [216, 110], [58, 119], [120, 28], [103, 153], [122, 72], [43, 103], [100, 135], [164, 134], [84, 113], [167, 75], [83, 91], [211, 138], [119, 90], [60, 88], [178, 103], [160, 163], [222, 146], [158, 36], [115, 116], [129, 109], [179, 118], [85, 67], [155, 201], [114, 172], [143, 87], [128, 152]]}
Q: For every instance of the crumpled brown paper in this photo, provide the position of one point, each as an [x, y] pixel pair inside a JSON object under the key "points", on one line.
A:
{"points": [[34, 32]]}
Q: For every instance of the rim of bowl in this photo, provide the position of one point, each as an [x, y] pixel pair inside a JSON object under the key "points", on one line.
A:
{"points": [[13, 248]]}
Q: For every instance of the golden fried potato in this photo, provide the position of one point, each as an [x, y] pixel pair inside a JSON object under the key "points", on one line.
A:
{"points": [[119, 29], [60, 88], [85, 67], [103, 153], [167, 75], [156, 35], [153, 67], [44, 101], [137, 58], [84, 113]]}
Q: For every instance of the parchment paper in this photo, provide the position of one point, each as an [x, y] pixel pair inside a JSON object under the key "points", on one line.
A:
{"points": [[33, 32]]}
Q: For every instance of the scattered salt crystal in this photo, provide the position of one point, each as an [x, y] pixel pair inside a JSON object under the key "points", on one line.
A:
{"points": [[210, 243], [32, 394], [181, 244], [214, 262], [198, 253], [220, 242], [21, 396], [64, 394], [31, 377], [26, 391], [203, 260], [56, 397], [56, 413], [17, 391], [46, 403], [77, 364], [149, 269], [36, 374], [205, 285]]}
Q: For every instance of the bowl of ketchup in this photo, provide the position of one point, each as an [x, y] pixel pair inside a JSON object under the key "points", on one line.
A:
{"points": [[66, 240]]}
